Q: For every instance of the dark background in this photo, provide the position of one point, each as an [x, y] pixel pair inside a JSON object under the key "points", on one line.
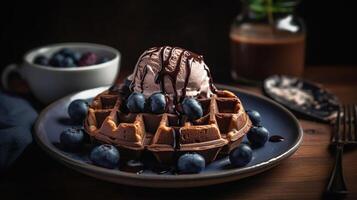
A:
{"points": [[132, 26]]}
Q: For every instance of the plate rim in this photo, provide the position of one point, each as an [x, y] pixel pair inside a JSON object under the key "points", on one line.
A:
{"points": [[162, 181]]}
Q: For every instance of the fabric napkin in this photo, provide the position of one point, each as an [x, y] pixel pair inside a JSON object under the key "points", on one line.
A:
{"points": [[17, 117]]}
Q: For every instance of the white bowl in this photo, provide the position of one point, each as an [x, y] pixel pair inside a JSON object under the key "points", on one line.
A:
{"points": [[50, 83]]}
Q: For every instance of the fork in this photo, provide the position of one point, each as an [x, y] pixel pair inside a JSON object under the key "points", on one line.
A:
{"points": [[345, 133]]}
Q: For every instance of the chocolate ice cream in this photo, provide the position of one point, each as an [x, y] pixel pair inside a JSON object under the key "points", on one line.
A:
{"points": [[174, 71]]}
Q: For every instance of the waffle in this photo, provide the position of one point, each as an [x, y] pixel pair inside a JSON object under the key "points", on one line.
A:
{"points": [[220, 129]]}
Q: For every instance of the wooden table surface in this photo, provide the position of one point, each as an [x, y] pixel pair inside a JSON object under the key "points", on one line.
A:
{"points": [[302, 176]]}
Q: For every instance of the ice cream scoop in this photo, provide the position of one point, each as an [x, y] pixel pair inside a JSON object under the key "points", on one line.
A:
{"points": [[174, 71]]}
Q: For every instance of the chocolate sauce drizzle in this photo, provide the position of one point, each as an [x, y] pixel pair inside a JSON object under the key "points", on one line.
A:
{"points": [[188, 73], [150, 52], [176, 135], [172, 76], [276, 138], [211, 85], [145, 71]]}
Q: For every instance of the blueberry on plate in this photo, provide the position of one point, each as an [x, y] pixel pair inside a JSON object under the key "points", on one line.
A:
{"points": [[88, 58], [190, 163], [105, 156], [192, 108], [78, 110], [255, 117], [57, 60], [241, 155], [157, 103], [136, 102], [258, 136], [72, 139], [41, 60]]}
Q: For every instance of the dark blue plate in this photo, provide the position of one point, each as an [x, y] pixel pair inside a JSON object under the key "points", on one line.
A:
{"points": [[321, 105], [278, 120]]}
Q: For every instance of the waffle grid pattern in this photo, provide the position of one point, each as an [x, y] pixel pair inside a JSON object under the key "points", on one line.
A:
{"points": [[221, 128]]}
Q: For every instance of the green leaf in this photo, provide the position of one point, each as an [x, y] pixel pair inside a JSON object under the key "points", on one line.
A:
{"points": [[266, 6]]}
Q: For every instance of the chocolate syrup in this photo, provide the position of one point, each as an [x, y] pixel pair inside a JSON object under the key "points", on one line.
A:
{"points": [[150, 53], [162, 169], [176, 136], [133, 166], [259, 51], [276, 138], [213, 88], [138, 167], [172, 75], [188, 73], [145, 71]]}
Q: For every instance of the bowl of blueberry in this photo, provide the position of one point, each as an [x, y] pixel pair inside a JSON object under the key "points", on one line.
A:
{"points": [[56, 70]]}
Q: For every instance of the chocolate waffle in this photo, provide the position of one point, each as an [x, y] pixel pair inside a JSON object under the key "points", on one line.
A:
{"points": [[220, 129]]}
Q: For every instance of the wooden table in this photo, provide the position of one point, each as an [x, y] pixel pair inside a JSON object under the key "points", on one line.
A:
{"points": [[302, 176]]}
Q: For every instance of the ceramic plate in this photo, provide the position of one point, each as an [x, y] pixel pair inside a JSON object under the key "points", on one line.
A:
{"points": [[303, 97], [278, 120]]}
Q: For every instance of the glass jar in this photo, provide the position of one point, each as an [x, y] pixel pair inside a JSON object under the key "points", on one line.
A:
{"points": [[267, 38]]}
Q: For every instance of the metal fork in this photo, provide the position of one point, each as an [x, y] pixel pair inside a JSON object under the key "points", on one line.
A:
{"points": [[345, 133]]}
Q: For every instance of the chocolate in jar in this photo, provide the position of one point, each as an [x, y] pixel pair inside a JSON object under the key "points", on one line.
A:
{"points": [[259, 51]]}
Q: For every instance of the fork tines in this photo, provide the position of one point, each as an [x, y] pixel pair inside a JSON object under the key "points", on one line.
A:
{"points": [[346, 125]]}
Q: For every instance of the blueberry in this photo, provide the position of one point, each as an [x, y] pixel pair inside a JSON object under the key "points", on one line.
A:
{"points": [[136, 102], [190, 163], [105, 156], [66, 52], [258, 135], [41, 60], [68, 62], [69, 53], [76, 57], [254, 116], [157, 103], [102, 60], [57, 60], [77, 110], [88, 58], [192, 108], [72, 138], [241, 155]]}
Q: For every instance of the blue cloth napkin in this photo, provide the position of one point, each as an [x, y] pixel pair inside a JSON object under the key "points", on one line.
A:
{"points": [[16, 120]]}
